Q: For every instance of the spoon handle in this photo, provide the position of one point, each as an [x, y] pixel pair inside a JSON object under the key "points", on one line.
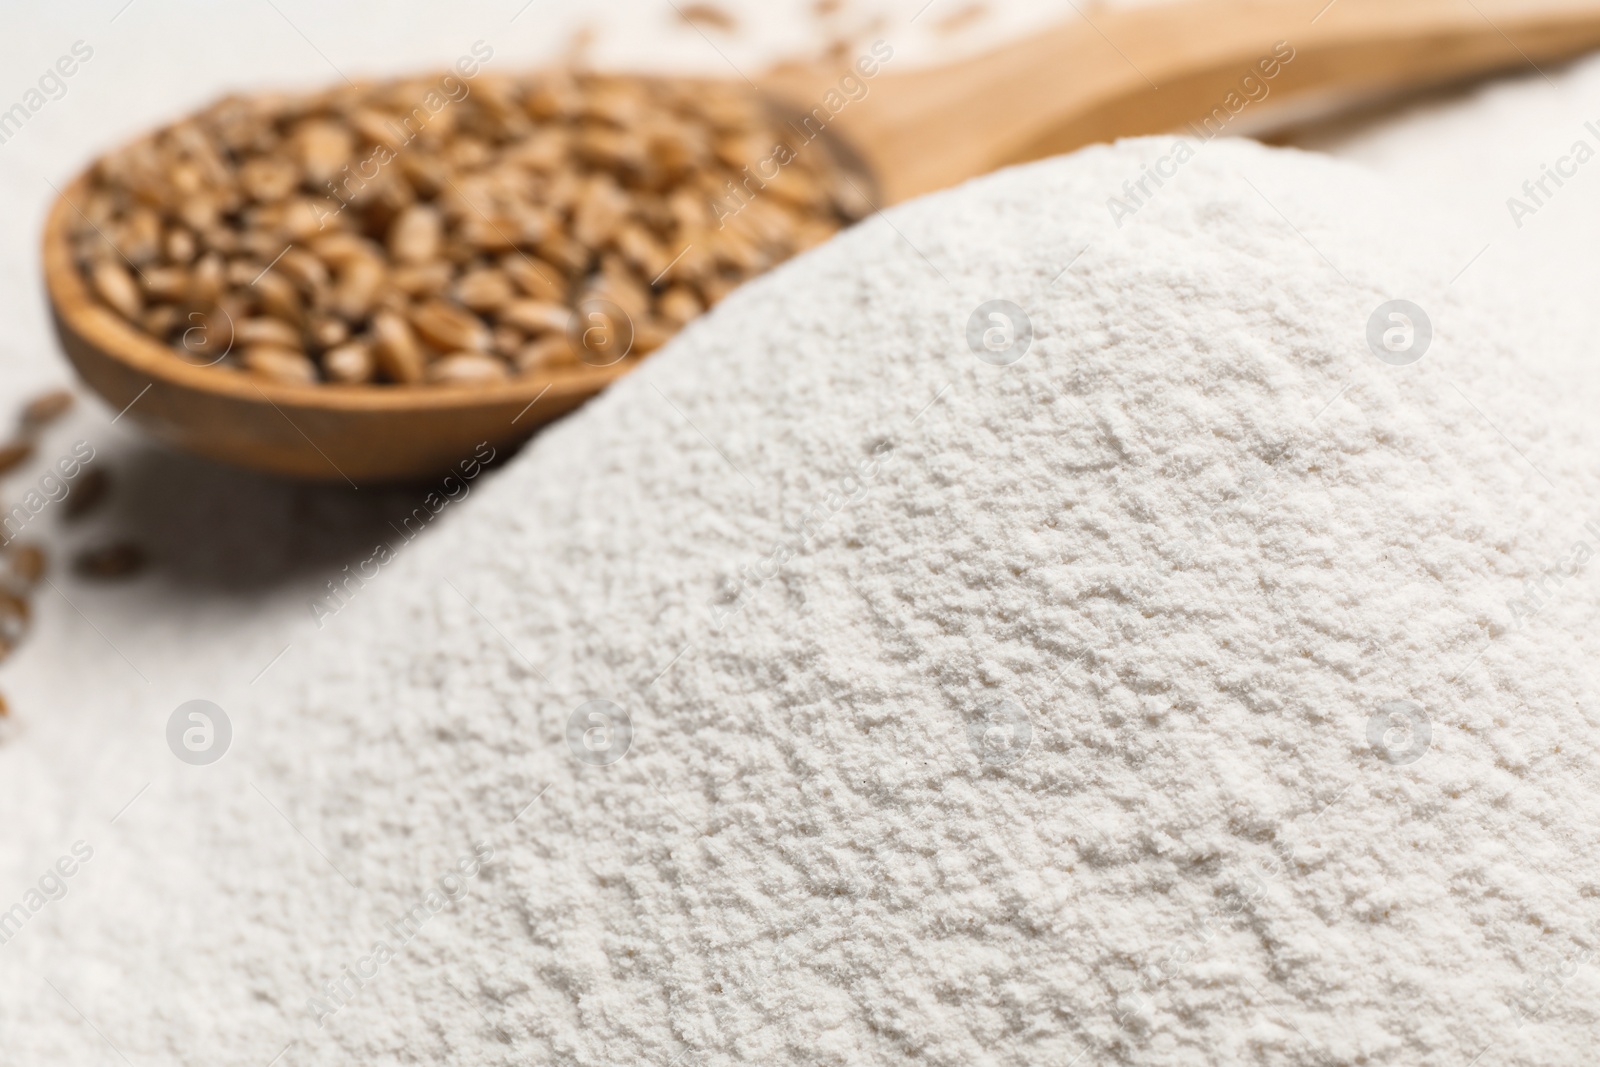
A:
{"points": [[1199, 67]]}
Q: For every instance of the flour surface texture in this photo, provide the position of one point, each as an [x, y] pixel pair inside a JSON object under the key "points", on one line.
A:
{"points": [[1194, 688]]}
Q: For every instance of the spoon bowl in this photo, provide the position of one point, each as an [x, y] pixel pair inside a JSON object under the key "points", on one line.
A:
{"points": [[352, 433]]}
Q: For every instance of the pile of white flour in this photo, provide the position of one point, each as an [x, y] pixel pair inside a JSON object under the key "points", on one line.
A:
{"points": [[1195, 688]]}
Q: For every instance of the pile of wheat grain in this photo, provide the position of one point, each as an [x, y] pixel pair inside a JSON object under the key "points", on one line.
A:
{"points": [[453, 230]]}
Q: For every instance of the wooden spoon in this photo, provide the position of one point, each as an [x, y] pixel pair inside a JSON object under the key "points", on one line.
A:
{"points": [[1224, 66]]}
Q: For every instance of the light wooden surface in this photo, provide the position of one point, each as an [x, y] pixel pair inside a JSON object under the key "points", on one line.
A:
{"points": [[1126, 72]]}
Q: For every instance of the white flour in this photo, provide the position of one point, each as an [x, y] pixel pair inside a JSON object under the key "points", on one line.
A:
{"points": [[980, 714]]}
